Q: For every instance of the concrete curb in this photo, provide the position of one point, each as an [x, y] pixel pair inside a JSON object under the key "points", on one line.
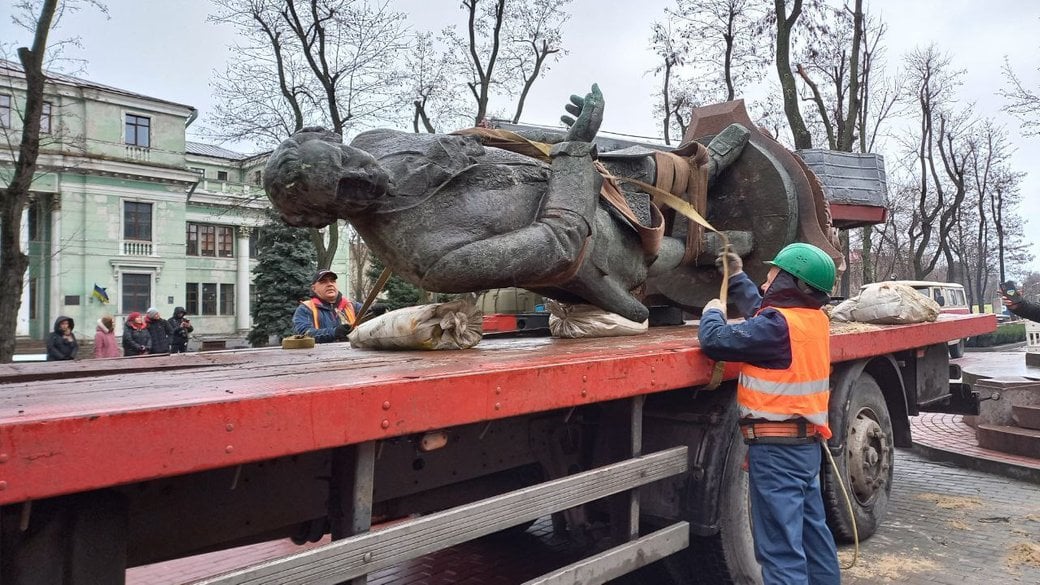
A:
{"points": [[1003, 468]]}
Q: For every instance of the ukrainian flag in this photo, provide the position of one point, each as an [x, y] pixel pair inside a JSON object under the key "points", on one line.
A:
{"points": [[100, 294]]}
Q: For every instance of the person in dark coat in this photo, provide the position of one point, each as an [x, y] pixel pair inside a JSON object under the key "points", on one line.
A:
{"points": [[160, 330], [181, 327], [61, 343], [1021, 307], [136, 339]]}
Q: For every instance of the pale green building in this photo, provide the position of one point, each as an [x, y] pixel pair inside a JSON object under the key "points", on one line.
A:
{"points": [[123, 202]]}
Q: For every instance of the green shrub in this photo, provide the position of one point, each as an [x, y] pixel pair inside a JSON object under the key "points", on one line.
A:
{"points": [[1005, 333]]}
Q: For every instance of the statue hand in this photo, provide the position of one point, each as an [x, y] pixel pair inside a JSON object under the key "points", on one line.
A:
{"points": [[589, 112]]}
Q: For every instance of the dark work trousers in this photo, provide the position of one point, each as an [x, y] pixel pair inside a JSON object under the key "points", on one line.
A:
{"points": [[792, 541]]}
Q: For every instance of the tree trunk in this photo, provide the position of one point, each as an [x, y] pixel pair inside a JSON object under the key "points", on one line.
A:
{"points": [[784, 24], [867, 258], [13, 262]]}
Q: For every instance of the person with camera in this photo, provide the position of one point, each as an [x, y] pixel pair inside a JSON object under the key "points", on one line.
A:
{"points": [[328, 315], [181, 327], [1012, 299]]}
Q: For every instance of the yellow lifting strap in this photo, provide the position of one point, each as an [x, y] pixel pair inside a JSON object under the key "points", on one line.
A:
{"points": [[680, 206]]}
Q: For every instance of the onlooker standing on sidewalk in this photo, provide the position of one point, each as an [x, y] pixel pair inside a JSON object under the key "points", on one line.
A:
{"points": [[181, 328], [160, 331], [105, 339], [136, 339], [1022, 308], [782, 393], [61, 343]]}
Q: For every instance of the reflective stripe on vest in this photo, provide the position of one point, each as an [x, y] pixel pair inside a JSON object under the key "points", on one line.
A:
{"points": [[803, 388], [345, 309]]}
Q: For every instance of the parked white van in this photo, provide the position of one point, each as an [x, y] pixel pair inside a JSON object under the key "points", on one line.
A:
{"points": [[951, 299]]}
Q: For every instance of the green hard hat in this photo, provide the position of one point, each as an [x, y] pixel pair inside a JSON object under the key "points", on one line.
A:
{"points": [[807, 263]]}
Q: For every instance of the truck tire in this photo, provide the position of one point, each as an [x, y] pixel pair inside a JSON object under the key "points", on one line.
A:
{"points": [[727, 557], [864, 464], [957, 349]]}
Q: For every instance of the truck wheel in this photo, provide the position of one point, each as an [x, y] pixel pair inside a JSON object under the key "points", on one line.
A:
{"points": [[957, 349], [864, 465], [728, 556]]}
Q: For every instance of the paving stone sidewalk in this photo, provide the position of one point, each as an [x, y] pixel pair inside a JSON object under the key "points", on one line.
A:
{"points": [[948, 525]]}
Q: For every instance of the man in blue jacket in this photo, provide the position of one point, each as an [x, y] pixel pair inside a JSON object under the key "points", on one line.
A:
{"points": [[328, 316], [782, 394]]}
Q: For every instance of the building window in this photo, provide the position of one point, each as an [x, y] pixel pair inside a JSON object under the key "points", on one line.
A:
{"points": [[138, 130], [191, 239], [254, 241], [191, 300], [202, 298], [5, 111], [205, 239], [137, 221], [198, 171], [225, 241], [227, 299], [209, 298], [258, 178], [137, 292], [221, 175], [45, 118]]}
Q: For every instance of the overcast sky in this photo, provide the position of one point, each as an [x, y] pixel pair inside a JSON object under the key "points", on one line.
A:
{"points": [[166, 49]]}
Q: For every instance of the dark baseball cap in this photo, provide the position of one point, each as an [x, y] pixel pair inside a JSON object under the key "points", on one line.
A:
{"points": [[322, 274]]}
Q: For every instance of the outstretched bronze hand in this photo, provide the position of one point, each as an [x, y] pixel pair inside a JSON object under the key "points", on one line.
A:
{"points": [[589, 112]]}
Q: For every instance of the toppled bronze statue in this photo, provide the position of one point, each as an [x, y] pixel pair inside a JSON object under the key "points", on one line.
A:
{"points": [[453, 213]]}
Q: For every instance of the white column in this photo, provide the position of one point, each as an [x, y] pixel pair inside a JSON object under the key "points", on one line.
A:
{"points": [[22, 325], [243, 279], [53, 308]]}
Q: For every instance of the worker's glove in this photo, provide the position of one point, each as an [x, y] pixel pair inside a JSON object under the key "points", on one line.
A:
{"points": [[714, 304], [736, 265], [342, 331]]}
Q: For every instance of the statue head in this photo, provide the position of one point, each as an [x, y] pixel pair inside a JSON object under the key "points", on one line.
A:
{"points": [[313, 179]]}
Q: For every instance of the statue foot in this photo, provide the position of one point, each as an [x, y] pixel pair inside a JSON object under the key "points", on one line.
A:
{"points": [[725, 148]]}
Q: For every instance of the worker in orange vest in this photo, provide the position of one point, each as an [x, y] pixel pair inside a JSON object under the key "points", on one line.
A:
{"points": [[782, 395], [328, 315]]}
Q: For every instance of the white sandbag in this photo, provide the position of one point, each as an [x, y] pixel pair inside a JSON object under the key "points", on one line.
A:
{"points": [[453, 325], [578, 320], [887, 303]]}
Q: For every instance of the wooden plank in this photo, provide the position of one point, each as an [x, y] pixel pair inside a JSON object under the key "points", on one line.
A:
{"points": [[360, 555], [211, 411], [621, 560]]}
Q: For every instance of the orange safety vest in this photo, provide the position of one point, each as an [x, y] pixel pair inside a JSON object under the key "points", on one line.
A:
{"points": [[803, 388], [344, 310]]}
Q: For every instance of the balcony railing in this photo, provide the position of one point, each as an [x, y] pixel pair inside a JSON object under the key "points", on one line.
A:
{"points": [[137, 248], [138, 153]]}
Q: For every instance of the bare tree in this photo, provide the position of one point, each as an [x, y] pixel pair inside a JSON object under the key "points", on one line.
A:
{"points": [[313, 62], [38, 18], [726, 44], [940, 134], [671, 51], [1022, 102], [510, 44], [431, 77], [708, 51], [785, 24], [538, 41]]}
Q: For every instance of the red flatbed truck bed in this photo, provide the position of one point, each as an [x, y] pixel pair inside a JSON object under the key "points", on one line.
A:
{"points": [[67, 428]]}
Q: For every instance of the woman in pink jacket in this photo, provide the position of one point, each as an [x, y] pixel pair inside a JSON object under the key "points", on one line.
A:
{"points": [[105, 339]]}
